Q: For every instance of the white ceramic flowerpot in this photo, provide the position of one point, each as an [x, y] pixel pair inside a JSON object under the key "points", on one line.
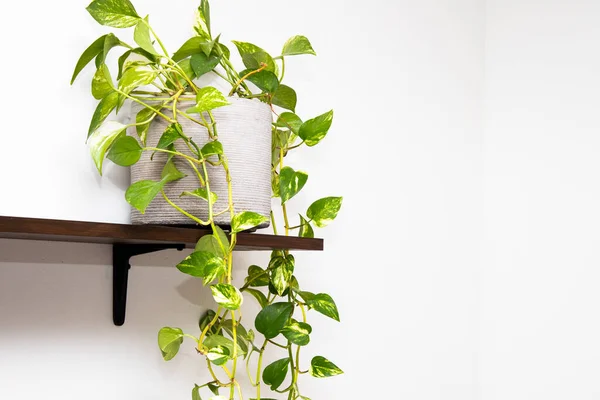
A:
{"points": [[244, 129]]}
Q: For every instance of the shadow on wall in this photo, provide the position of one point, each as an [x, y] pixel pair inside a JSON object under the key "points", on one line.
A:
{"points": [[56, 286]]}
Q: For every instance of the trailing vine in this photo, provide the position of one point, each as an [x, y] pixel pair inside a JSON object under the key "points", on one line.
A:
{"points": [[149, 75]]}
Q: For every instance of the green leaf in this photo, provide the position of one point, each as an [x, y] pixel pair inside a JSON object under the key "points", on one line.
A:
{"points": [[306, 230], [125, 151], [285, 97], [243, 338], [322, 303], [212, 148], [136, 76], [173, 132], [202, 193], [170, 173], [274, 374], [201, 63], [208, 98], [282, 269], [290, 121], [196, 393], [271, 319], [257, 276], [297, 332], [141, 193], [202, 264], [290, 183], [227, 296], [264, 80], [314, 130], [114, 13], [320, 367], [275, 184], [102, 83], [253, 56], [218, 355], [297, 45], [101, 140], [169, 341], [110, 42], [205, 320], [259, 296], [213, 388], [145, 115], [203, 19], [224, 50], [211, 244], [219, 340], [246, 220], [125, 56], [141, 35], [100, 47], [324, 210], [190, 47], [103, 110]]}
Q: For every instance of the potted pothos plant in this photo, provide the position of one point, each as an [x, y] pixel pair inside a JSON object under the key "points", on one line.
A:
{"points": [[179, 130]]}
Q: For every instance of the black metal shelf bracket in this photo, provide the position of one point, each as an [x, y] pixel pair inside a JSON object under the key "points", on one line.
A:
{"points": [[121, 255]]}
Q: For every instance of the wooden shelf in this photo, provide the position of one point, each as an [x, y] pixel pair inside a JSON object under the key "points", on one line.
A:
{"points": [[131, 240], [99, 232]]}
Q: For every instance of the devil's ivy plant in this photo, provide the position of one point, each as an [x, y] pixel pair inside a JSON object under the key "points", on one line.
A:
{"points": [[159, 81]]}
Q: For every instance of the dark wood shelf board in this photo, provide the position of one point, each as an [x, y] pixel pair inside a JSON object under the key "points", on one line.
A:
{"points": [[99, 232]]}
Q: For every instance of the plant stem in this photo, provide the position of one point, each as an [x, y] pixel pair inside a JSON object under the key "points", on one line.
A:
{"points": [[242, 79], [187, 214]]}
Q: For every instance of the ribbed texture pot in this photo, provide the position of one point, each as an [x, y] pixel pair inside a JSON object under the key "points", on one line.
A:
{"points": [[244, 129]]}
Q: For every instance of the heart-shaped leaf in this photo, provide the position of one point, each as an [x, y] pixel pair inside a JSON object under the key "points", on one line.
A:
{"points": [[274, 374], [173, 132], [314, 130], [259, 296], [202, 193], [125, 151], [103, 110], [135, 77], [141, 193], [290, 183], [114, 13], [285, 97], [289, 121], [208, 98], [297, 45], [282, 269], [201, 63], [297, 332], [271, 319], [102, 84], [323, 211], [306, 229], [169, 341], [212, 148], [322, 303], [101, 140], [264, 80], [227, 296], [202, 264], [141, 35], [246, 220], [170, 173], [98, 49], [320, 367], [257, 276]]}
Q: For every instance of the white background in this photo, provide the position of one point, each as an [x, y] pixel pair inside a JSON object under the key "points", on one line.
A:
{"points": [[462, 261]]}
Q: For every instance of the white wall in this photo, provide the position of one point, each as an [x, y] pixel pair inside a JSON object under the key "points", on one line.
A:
{"points": [[405, 79], [540, 293]]}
